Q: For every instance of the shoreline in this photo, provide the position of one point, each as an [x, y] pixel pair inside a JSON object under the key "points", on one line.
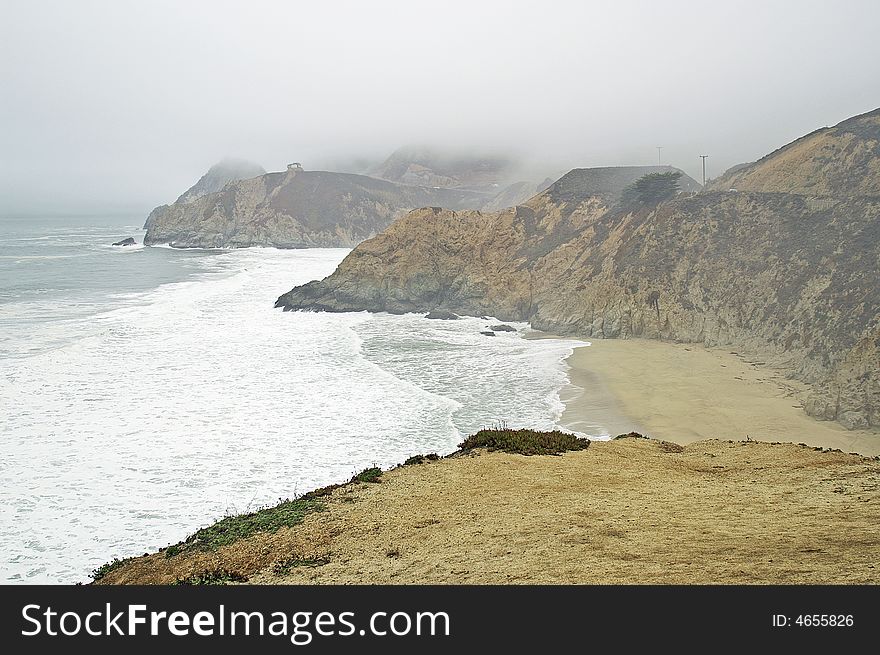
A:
{"points": [[686, 392], [590, 407]]}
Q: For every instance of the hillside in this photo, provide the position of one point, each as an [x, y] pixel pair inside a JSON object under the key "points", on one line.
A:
{"points": [[840, 161], [504, 180], [219, 175], [515, 194], [786, 276], [628, 511], [428, 167]]}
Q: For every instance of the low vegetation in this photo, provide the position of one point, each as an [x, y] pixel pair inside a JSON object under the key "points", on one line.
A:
{"points": [[104, 569], [631, 435], [320, 492], [211, 577], [525, 442], [372, 474], [421, 459], [650, 189], [285, 566], [232, 528]]}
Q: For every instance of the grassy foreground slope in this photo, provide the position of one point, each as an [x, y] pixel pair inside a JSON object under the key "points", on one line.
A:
{"points": [[625, 511]]}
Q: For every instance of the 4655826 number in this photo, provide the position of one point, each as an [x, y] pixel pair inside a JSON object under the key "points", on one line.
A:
{"points": [[824, 620]]}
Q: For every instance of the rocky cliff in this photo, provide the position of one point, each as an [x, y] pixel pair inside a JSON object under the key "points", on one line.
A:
{"points": [[295, 209], [770, 269], [217, 177]]}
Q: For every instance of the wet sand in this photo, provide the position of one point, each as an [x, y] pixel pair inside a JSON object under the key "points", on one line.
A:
{"points": [[685, 393]]}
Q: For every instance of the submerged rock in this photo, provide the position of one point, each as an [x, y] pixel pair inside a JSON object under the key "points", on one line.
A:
{"points": [[487, 333], [126, 242], [503, 328]]}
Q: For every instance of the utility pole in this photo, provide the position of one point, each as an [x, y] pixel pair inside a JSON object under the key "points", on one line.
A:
{"points": [[703, 157], [659, 161]]}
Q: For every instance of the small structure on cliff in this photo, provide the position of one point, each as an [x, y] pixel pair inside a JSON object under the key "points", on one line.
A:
{"points": [[295, 166]]}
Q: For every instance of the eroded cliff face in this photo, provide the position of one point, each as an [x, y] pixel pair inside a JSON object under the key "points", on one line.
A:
{"points": [[789, 277], [776, 275], [477, 262], [294, 209], [217, 177]]}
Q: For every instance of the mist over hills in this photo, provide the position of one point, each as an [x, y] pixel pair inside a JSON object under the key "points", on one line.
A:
{"points": [[219, 175], [421, 165], [236, 204]]}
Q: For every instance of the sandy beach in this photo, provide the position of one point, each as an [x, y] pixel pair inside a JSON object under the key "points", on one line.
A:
{"points": [[686, 392]]}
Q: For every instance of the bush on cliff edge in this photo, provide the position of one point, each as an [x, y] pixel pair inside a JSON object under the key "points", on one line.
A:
{"points": [[525, 442]]}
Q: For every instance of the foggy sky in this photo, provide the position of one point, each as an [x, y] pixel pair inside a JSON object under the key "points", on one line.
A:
{"points": [[112, 106]]}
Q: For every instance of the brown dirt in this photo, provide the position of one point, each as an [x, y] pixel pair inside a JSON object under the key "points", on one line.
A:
{"points": [[626, 511]]}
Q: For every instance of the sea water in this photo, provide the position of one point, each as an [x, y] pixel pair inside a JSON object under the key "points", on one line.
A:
{"points": [[147, 391]]}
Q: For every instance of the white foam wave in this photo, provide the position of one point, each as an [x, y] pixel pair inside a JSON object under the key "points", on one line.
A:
{"points": [[148, 420], [135, 247], [170, 247]]}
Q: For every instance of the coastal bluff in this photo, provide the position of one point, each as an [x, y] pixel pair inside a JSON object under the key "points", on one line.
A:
{"points": [[627, 511], [777, 259]]}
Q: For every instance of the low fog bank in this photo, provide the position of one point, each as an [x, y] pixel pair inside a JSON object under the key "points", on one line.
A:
{"points": [[117, 106]]}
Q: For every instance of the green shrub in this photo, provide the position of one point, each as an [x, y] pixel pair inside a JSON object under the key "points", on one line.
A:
{"points": [[320, 492], [171, 551], [650, 189], [371, 474], [525, 442], [104, 569], [232, 528], [421, 459], [630, 435], [211, 577]]}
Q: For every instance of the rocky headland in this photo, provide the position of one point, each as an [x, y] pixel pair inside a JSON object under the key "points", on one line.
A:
{"points": [[237, 204], [295, 209]]}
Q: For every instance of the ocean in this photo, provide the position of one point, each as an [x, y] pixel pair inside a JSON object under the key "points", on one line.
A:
{"points": [[147, 391]]}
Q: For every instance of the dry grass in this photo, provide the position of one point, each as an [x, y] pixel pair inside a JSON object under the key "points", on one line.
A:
{"points": [[625, 511]]}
